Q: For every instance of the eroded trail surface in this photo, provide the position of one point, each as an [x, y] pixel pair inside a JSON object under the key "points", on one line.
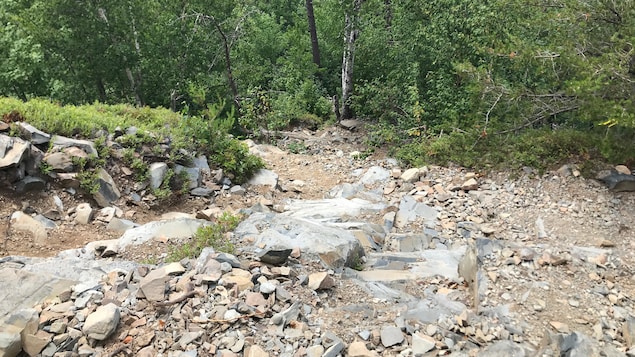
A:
{"points": [[339, 254]]}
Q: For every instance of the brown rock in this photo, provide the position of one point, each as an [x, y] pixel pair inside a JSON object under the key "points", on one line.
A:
{"points": [[358, 349], [255, 351], [320, 281], [469, 185]]}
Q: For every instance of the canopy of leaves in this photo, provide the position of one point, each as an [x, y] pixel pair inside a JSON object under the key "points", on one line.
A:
{"points": [[485, 71]]}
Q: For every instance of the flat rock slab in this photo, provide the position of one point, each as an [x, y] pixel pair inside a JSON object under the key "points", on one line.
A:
{"points": [[335, 247], [331, 210], [168, 229], [23, 289], [411, 210]]}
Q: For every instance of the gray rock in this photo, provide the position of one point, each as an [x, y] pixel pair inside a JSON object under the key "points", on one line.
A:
{"points": [[47, 223], [320, 281], [59, 162], [333, 246], [411, 175], [25, 223], [189, 337], [120, 225], [391, 335], [503, 349], [264, 177], [237, 190], [410, 210], [10, 341], [84, 213], [102, 323], [153, 285], [374, 174], [422, 344], [315, 351], [619, 182], [331, 211], [350, 124], [201, 163], [577, 344], [157, 173], [275, 257], [108, 191], [405, 242], [469, 185], [33, 134], [30, 183], [62, 142], [12, 151], [169, 229], [202, 192], [193, 174], [628, 331], [345, 190]]}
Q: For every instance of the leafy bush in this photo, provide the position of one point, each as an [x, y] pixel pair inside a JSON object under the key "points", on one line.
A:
{"points": [[537, 148], [209, 135]]}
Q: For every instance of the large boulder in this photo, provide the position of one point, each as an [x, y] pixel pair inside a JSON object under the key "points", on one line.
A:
{"points": [[334, 247]]}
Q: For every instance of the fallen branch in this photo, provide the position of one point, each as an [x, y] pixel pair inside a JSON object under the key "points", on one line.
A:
{"points": [[539, 118], [179, 299], [118, 350]]}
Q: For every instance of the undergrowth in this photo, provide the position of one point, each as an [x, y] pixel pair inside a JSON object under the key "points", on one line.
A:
{"points": [[215, 236], [208, 133], [541, 149]]}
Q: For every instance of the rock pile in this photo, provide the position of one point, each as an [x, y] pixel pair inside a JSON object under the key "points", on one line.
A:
{"points": [[423, 262]]}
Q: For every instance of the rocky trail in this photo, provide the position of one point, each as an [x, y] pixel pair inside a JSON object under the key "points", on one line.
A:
{"points": [[339, 254]]}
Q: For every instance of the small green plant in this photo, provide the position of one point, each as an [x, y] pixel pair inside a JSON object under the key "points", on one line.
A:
{"points": [[165, 190], [214, 235], [297, 147], [150, 260], [45, 168], [357, 261], [88, 181]]}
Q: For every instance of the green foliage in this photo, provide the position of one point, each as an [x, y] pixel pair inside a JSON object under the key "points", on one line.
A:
{"points": [[541, 149], [209, 135], [86, 174], [297, 147], [215, 236], [85, 120], [45, 168]]}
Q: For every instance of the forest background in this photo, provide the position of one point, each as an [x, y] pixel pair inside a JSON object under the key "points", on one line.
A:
{"points": [[477, 83]]}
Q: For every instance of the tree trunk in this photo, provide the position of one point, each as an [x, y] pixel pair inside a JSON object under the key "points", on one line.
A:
{"points": [[315, 48], [228, 64], [351, 32]]}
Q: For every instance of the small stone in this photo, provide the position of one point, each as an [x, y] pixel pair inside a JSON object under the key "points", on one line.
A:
{"points": [[628, 331], [315, 351], [255, 351], [391, 335], [422, 344], [101, 323], [359, 349], [410, 175], [469, 185], [267, 287], [559, 326], [623, 169], [83, 213], [320, 281]]}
